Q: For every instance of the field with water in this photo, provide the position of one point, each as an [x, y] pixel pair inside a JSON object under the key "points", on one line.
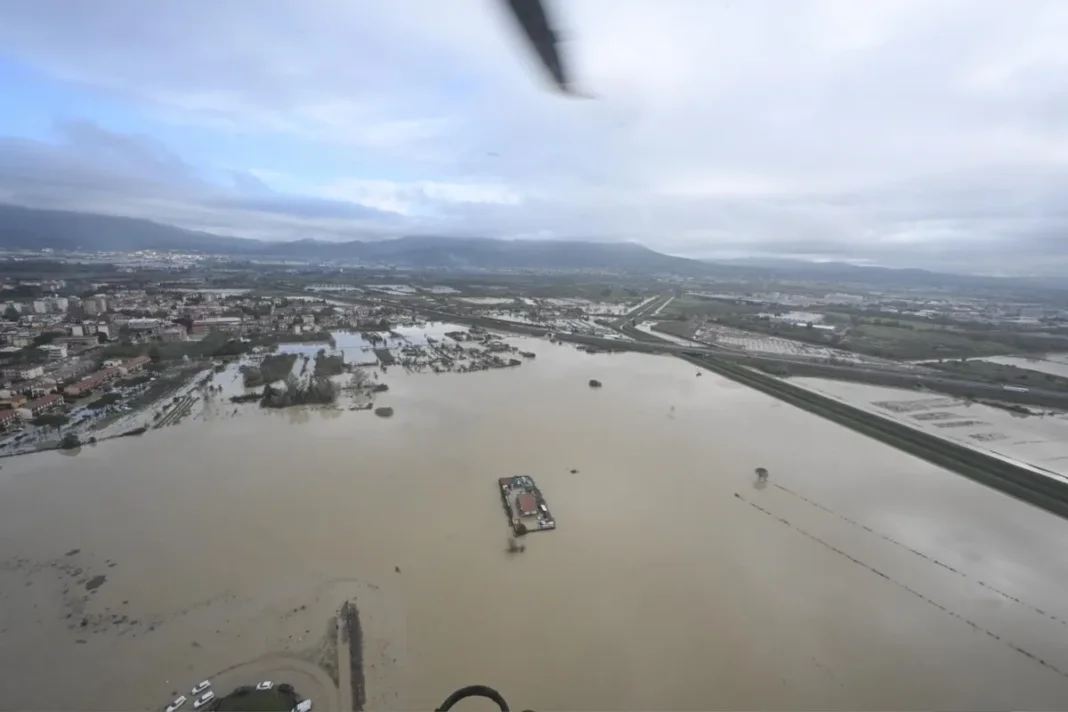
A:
{"points": [[857, 577]]}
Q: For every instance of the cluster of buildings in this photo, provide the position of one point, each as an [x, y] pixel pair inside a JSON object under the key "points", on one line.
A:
{"points": [[28, 395], [50, 345]]}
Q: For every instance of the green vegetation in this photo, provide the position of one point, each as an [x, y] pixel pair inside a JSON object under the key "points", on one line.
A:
{"points": [[274, 367], [1002, 373], [213, 345], [50, 420], [69, 442], [104, 401], [880, 334], [328, 364], [317, 390]]}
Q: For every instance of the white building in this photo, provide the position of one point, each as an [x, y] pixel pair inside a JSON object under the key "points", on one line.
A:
{"points": [[96, 304], [55, 352], [24, 372]]}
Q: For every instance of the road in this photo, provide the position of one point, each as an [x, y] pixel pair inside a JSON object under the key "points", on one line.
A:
{"points": [[642, 312], [905, 376]]}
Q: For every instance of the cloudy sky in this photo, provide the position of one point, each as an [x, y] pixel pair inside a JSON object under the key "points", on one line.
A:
{"points": [[928, 133]]}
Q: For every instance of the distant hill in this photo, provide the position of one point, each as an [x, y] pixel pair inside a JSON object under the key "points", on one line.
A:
{"points": [[32, 229]]}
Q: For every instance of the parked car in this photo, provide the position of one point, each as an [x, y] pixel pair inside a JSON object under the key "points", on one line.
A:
{"points": [[201, 687], [177, 704], [265, 685], [303, 706], [204, 699]]}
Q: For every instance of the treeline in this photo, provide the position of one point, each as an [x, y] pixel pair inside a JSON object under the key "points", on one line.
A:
{"points": [[274, 367], [295, 392], [328, 364]]}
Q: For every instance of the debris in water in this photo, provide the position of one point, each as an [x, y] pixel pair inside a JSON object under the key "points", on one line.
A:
{"points": [[95, 582], [72, 552], [396, 569], [574, 471], [594, 383]]}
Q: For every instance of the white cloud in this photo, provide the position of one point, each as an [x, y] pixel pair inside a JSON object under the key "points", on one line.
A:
{"points": [[758, 125]]}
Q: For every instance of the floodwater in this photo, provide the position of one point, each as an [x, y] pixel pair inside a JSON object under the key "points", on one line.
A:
{"points": [[857, 577], [1039, 442]]}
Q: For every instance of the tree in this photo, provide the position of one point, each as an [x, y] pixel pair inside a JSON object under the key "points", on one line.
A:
{"points": [[11, 313], [101, 337], [154, 353], [50, 420], [69, 442]]}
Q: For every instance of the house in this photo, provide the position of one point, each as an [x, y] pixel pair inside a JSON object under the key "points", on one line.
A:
{"points": [[23, 372], [173, 333], [134, 365], [91, 382], [39, 386], [145, 326], [8, 418], [526, 504], [54, 352], [216, 323], [41, 405], [12, 402], [97, 304]]}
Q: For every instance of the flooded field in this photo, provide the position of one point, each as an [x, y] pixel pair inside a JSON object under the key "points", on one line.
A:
{"points": [[1055, 364], [1038, 441], [856, 577]]}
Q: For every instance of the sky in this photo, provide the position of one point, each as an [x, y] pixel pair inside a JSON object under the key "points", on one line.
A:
{"points": [[923, 133]]}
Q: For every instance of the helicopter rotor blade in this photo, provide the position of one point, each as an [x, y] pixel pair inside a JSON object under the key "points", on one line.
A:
{"points": [[535, 24]]}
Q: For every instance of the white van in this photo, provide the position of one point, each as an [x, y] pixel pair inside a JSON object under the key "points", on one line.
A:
{"points": [[204, 699]]}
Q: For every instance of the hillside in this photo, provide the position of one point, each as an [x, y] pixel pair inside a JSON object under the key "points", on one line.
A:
{"points": [[30, 229]]}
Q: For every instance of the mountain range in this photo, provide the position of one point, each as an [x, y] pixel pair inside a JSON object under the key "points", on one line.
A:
{"points": [[34, 229]]}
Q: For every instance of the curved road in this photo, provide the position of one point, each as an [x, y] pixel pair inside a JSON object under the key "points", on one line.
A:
{"points": [[902, 377]]}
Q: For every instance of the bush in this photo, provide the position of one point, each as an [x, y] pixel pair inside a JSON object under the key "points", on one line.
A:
{"points": [[50, 420]]}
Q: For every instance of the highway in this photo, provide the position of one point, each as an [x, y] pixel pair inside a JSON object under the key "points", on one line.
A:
{"points": [[905, 376], [1018, 481]]}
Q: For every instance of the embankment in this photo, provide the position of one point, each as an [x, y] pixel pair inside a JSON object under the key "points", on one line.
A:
{"points": [[352, 635], [1049, 493]]}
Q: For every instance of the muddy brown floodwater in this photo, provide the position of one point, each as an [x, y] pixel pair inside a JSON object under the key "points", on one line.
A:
{"points": [[856, 577]]}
